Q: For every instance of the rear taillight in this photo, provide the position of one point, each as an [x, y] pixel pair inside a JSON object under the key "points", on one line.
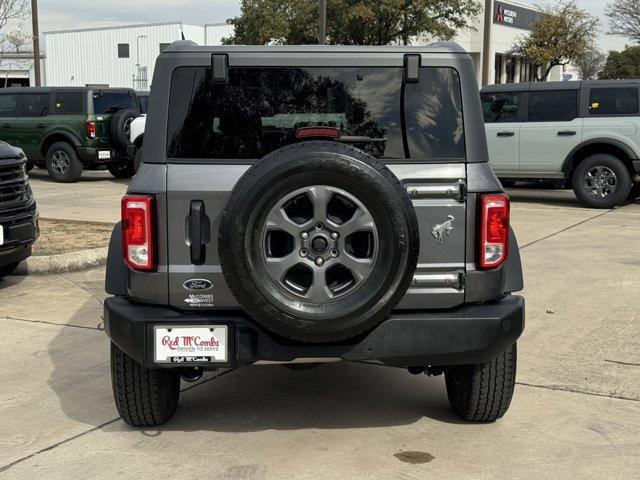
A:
{"points": [[138, 232], [494, 230], [91, 129]]}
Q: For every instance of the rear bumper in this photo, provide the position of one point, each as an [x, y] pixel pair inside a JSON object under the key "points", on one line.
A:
{"points": [[90, 155], [469, 334]]}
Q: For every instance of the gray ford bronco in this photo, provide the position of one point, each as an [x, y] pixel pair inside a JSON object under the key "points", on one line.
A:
{"points": [[312, 203]]}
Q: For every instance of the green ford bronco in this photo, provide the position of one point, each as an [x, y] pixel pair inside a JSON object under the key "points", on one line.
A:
{"points": [[69, 129]]}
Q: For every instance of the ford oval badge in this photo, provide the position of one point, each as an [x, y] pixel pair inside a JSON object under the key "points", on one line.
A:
{"points": [[196, 284]]}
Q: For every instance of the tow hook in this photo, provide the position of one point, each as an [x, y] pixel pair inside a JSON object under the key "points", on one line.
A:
{"points": [[192, 374]]}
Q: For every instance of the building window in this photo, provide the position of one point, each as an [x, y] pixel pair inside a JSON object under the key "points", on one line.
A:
{"points": [[123, 50], [498, 69], [510, 67], [163, 46]]}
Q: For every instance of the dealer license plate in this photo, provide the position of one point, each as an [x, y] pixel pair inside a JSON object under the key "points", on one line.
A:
{"points": [[190, 344], [104, 154]]}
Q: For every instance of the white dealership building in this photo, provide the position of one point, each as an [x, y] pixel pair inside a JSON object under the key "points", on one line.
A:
{"points": [[125, 56], [120, 56]]}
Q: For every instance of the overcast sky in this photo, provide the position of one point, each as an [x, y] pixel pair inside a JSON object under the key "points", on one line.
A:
{"points": [[67, 14]]}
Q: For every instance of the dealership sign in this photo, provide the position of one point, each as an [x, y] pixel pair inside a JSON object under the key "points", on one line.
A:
{"points": [[513, 16]]}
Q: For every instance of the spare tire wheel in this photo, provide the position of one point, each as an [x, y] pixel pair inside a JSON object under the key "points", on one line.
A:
{"points": [[318, 241], [121, 126]]}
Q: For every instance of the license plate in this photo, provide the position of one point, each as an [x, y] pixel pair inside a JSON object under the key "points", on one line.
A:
{"points": [[104, 154], [1, 235], [190, 344]]}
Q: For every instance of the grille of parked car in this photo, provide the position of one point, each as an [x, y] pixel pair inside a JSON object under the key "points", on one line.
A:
{"points": [[16, 201]]}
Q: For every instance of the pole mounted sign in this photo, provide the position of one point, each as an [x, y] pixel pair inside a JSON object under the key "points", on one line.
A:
{"points": [[513, 16]]}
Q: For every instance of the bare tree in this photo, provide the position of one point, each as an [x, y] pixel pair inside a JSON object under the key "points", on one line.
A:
{"points": [[624, 18], [590, 63], [11, 11]]}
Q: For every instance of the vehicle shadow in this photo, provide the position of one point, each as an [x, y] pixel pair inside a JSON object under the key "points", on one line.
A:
{"points": [[542, 195], [248, 399], [87, 177], [11, 281]]}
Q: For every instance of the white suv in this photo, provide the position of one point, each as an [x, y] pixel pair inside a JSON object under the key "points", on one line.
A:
{"points": [[583, 133]]}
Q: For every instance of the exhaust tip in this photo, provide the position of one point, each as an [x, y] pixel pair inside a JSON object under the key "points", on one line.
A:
{"points": [[192, 374]]}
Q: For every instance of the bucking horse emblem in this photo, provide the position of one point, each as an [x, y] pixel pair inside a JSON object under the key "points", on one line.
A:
{"points": [[440, 230]]}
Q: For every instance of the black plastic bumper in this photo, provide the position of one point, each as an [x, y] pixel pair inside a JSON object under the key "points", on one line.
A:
{"points": [[18, 238], [89, 155], [470, 334]]}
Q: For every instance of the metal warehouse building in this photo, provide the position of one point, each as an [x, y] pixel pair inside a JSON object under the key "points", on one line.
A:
{"points": [[122, 56]]}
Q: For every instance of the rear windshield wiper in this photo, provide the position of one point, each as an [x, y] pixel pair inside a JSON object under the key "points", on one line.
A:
{"points": [[360, 139]]}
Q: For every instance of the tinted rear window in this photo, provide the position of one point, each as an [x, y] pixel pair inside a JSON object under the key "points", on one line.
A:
{"points": [[613, 101], [110, 102], [260, 109], [35, 105], [500, 107], [68, 103], [553, 106]]}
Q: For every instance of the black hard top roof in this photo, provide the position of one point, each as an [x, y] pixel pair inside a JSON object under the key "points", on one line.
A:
{"points": [[535, 86], [437, 47]]}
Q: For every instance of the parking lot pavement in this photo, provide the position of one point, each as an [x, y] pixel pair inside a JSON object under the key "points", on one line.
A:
{"points": [[94, 198], [575, 414]]}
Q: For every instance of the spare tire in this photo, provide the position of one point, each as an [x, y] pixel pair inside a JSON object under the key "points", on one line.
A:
{"points": [[121, 126], [318, 241]]}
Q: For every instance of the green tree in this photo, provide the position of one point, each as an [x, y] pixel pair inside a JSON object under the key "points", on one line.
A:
{"points": [[350, 22], [620, 65], [624, 18], [560, 35]]}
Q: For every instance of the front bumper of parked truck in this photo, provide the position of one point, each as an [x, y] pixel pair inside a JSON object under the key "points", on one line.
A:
{"points": [[465, 335]]}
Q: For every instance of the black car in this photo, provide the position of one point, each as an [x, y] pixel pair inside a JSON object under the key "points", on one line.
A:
{"points": [[18, 212]]}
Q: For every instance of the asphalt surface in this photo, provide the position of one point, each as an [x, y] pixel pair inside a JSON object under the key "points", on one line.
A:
{"points": [[575, 414]]}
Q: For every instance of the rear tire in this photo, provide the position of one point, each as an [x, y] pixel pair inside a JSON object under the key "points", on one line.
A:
{"points": [[482, 392], [122, 169], [8, 269], [63, 164], [144, 397], [601, 168]]}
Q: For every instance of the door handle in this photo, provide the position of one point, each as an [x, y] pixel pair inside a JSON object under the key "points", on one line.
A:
{"points": [[566, 133], [506, 134], [40, 125], [199, 231], [7, 125]]}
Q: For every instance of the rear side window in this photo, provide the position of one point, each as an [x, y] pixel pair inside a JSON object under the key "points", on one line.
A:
{"points": [[613, 101], [500, 106], [553, 106], [35, 105], [68, 103], [105, 102], [8, 105], [261, 109]]}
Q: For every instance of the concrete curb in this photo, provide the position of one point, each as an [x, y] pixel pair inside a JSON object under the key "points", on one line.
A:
{"points": [[63, 262]]}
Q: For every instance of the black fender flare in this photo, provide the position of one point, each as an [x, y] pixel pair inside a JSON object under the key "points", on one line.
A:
{"points": [[513, 281], [567, 163], [69, 137], [116, 272]]}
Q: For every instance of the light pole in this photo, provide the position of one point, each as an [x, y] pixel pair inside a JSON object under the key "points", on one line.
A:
{"points": [[322, 23], [36, 41]]}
